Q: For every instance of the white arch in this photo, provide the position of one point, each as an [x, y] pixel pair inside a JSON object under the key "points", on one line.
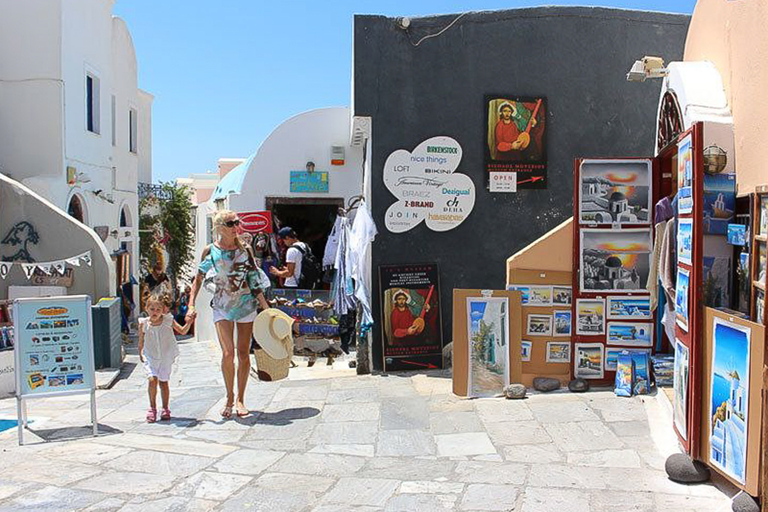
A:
{"points": [[78, 193]]}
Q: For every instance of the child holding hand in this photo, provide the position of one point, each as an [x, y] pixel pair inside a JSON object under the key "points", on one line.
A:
{"points": [[158, 350]]}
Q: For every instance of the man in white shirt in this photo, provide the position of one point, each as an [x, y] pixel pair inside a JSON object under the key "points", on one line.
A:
{"points": [[291, 272]]}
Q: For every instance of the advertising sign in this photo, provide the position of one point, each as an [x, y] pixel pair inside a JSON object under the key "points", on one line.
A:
{"points": [[256, 222], [427, 187], [410, 303], [503, 181], [54, 347], [309, 182], [516, 138]]}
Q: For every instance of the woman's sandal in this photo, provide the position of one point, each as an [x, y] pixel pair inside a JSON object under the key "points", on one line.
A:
{"points": [[242, 411], [226, 412]]}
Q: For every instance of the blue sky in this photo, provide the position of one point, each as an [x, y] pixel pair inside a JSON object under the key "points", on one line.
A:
{"points": [[225, 74]]}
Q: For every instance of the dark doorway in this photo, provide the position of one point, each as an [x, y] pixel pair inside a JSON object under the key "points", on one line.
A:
{"points": [[311, 218]]}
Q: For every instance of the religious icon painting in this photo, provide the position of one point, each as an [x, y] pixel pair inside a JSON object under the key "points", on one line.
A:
{"points": [[516, 138]]}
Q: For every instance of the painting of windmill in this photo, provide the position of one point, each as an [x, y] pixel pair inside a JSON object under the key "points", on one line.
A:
{"points": [[729, 398]]}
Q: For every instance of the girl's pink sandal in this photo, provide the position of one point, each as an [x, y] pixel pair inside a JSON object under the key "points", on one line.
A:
{"points": [[165, 415], [151, 415]]}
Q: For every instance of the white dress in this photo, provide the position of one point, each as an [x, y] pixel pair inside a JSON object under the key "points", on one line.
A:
{"points": [[160, 347]]}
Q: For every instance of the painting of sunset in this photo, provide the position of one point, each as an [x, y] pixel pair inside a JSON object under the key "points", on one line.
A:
{"points": [[614, 260], [615, 192]]}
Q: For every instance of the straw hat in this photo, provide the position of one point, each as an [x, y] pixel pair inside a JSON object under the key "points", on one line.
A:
{"points": [[272, 330]]}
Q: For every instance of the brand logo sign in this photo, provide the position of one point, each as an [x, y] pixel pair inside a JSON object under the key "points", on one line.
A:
{"points": [[256, 222], [53, 311]]}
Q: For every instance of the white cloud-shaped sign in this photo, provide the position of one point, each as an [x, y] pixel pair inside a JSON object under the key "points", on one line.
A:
{"points": [[427, 188]]}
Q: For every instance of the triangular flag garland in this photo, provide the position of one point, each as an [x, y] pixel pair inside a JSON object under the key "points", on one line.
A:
{"points": [[47, 267]]}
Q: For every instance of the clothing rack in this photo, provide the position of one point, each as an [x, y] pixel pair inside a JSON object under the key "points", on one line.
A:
{"points": [[352, 204]]}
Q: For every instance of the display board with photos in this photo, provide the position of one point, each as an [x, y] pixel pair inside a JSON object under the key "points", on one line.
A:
{"points": [[547, 322], [613, 243]]}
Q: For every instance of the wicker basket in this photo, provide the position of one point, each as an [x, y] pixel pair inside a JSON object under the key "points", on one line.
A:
{"points": [[269, 369]]}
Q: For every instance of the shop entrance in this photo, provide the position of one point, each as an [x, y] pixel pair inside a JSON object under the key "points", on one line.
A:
{"points": [[311, 218]]}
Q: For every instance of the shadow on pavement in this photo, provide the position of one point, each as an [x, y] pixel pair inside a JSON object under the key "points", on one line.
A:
{"points": [[284, 417], [73, 433]]}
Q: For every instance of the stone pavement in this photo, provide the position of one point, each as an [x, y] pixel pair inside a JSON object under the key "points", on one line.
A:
{"points": [[347, 443]]}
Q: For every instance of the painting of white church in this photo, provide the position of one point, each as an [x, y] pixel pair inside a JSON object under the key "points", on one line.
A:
{"points": [[729, 399], [614, 260], [615, 191]]}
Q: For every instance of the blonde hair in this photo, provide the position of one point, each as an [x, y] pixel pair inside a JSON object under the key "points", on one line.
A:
{"points": [[218, 223], [161, 297]]}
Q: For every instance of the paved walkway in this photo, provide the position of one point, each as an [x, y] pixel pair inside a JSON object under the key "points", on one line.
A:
{"points": [[348, 443]]}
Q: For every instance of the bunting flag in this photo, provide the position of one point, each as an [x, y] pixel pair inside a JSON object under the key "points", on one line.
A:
{"points": [[47, 267]]}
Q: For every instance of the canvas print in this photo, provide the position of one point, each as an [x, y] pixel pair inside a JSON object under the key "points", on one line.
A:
{"points": [[719, 202], [488, 328], [737, 234], [641, 380], [612, 355], [624, 374], [588, 360], [525, 292], [615, 191], [558, 352], [590, 316], [729, 398], [630, 334], [540, 296], [685, 175], [516, 138], [681, 298], [561, 295], [562, 323], [629, 308], [615, 260], [410, 303], [539, 325], [680, 412], [525, 350], [684, 240]]}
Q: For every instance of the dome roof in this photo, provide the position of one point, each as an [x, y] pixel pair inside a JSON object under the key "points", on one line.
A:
{"points": [[617, 196], [613, 262]]}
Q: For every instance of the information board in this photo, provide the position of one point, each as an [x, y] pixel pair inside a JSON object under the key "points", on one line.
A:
{"points": [[309, 182], [54, 346]]}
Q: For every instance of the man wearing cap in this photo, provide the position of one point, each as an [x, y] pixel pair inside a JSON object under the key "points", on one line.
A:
{"points": [[291, 272]]}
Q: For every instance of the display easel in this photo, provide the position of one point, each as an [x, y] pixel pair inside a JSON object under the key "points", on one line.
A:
{"points": [[53, 352]]}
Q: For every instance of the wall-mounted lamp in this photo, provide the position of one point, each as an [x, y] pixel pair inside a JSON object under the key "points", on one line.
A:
{"points": [[647, 67]]}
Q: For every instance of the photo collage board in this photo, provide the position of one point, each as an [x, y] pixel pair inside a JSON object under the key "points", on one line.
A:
{"points": [[613, 245], [547, 323]]}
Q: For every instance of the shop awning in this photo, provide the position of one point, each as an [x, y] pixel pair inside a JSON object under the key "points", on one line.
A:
{"points": [[232, 183]]}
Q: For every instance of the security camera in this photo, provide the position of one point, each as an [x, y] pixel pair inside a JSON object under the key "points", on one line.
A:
{"points": [[647, 67], [636, 72]]}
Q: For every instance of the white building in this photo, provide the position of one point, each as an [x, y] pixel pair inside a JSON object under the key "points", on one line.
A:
{"points": [[74, 126]]}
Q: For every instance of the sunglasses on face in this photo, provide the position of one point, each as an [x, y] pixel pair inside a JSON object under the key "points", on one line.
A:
{"points": [[232, 223]]}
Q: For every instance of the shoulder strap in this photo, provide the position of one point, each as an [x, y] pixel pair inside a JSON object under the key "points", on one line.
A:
{"points": [[301, 250], [251, 257]]}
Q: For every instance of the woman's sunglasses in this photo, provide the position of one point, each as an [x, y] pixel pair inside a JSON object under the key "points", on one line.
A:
{"points": [[232, 223]]}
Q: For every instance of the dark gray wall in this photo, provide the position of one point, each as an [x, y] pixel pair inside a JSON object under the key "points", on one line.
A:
{"points": [[576, 57]]}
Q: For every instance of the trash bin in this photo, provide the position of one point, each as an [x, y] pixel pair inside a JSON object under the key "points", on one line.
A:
{"points": [[107, 339]]}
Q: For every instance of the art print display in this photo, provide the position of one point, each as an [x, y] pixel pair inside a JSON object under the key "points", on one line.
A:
{"points": [[641, 380], [685, 241], [729, 398], [562, 323], [590, 316], [612, 356], [525, 350], [625, 374], [737, 234], [525, 292], [681, 298], [719, 202], [540, 296], [615, 192], [630, 334], [685, 175], [410, 304], [562, 295], [428, 187], [539, 325], [680, 411], [588, 360], [516, 138], [629, 308], [615, 260], [558, 352], [488, 335]]}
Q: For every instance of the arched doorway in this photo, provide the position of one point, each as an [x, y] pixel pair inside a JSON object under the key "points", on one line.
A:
{"points": [[76, 208], [125, 217]]}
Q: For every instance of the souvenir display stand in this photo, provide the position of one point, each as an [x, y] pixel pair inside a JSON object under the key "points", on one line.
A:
{"points": [[479, 342], [318, 325], [544, 293]]}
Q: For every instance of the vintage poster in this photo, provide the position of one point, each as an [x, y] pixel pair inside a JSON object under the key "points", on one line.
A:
{"points": [[685, 175], [558, 351], [615, 192], [516, 139], [681, 389], [590, 316], [54, 345], [588, 361], [615, 260], [629, 308], [488, 337], [410, 302], [562, 323], [681, 298], [630, 334], [427, 187], [729, 398], [684, 241]]}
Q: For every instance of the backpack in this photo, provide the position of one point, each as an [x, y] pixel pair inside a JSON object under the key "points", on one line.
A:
{"points": [[311, 270]]}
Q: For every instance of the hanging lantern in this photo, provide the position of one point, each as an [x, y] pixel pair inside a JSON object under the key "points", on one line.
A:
{"points": [[715, 159]]}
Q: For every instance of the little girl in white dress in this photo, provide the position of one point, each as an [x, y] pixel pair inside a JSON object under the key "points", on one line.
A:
{"points": [[158, 350]]}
